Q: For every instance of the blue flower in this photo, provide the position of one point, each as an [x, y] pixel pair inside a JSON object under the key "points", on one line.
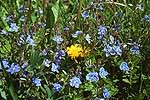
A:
{"points": [[41, 24], [57, 87], [66, 29], [102, 72], [99, 7], [14, 68], [135, 49], [113, 50], [106, 93], [101, 31], [40, 11], [58, 39], [98, 98], [55, 67], [5, 63], [13, 27], [4, 32], [75, 82], [60, 54], [76, 34], [24, 65], [108, 49], [92, 76], [116, 28], [25, 74], [22, 39], [22, 18], [44, 52], [46, 62], [22, 8], [140, 7], [88, 38], [146, 18], [85, 14], [124, 66], [57, 61], [30, 41], [36, 81], [118, 50], [9, 19]]}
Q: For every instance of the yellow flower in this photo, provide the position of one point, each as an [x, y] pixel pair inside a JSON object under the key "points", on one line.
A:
{"points": [[74, 51]]}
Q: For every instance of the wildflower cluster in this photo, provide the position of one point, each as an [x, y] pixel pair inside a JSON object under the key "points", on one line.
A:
{"points": [[113, 50]]}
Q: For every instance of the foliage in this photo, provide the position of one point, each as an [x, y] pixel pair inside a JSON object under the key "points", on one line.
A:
{"points": [[74, 49]]}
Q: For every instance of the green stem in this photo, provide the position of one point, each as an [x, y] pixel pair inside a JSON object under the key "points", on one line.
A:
{"points": [[141, 81], [44, 7], [79, 12]]}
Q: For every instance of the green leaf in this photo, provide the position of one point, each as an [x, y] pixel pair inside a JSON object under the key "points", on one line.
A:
{"points": [[113, 90], [88, 87], [5, 47], [43, 89], [49, 92], [3, 94], [50, 18], [52, 15], [12, 92], [1, 83], [55, 9], [35, 59], [23, 79], [33, 18], [126, 81], [138, 97]]}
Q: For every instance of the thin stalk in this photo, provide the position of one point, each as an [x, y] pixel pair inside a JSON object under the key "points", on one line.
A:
{"points": [[116, 3], [79, 12], [44, 7], [141, 81], [30, 11]]}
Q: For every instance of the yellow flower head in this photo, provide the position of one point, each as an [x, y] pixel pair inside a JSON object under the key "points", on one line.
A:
{"points": [[74, 51]]}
